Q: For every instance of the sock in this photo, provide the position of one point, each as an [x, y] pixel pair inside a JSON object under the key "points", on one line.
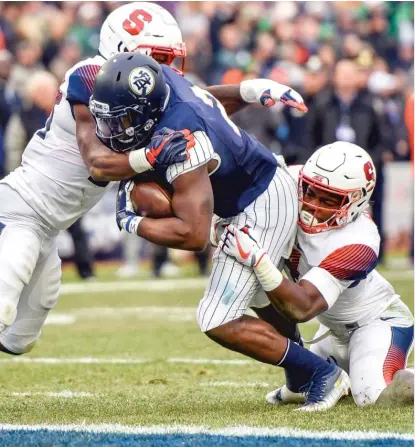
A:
{"points": [[300, 364]]}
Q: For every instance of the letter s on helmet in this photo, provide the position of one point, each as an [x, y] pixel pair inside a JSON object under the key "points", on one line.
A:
{"points": [[144, 27]]}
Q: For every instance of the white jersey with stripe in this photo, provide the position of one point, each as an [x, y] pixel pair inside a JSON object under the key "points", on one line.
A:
{"points": [[53, 179], [340, 263]]}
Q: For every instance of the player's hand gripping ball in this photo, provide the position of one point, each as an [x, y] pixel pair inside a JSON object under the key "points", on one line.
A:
{"points": [[151, 200]]}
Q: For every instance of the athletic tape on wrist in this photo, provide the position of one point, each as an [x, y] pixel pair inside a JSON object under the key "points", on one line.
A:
{"points": [[268, 275], [138, 161]]}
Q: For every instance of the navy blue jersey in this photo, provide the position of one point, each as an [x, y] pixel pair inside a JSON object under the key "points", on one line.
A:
{"points": [[245, 167]]}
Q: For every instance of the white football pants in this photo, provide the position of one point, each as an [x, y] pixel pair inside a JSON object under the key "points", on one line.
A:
{"points": [[372, 353], [30, 271], [232, 287]]}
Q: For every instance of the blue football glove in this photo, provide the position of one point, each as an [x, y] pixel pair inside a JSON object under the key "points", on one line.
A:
{"points": [[126, 218], [168, 147]]}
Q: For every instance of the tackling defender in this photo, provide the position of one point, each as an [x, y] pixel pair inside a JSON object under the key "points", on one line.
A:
{"points": [[228, 172], [66, 170], [364, 325]]}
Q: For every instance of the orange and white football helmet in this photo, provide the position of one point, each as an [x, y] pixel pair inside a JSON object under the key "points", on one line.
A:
{"points": [[144, 27], [343, 169]]}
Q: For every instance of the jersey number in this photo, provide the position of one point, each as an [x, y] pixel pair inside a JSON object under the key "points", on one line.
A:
{"points": [[135, 24], [211, 101]]}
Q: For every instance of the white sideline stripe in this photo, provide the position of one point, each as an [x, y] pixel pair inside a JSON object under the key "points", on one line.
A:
{"points": [[150, 285], [237, 384], [168, 285], [66, 394], [237, 431]]}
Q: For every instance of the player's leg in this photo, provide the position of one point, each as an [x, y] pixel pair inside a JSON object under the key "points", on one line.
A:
{"points": [[331, 346], [377, 352], [328, 347], [19, 252], [232, 286], [38, 297]]}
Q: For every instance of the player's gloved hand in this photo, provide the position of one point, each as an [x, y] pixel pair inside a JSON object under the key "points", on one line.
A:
{"points": [[168, 147], [268, 93], [127, 219], [241, 245], [216, 229]]}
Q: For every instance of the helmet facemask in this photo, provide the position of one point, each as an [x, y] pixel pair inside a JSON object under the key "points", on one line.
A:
{"points": [[340, 215], [124, 128], [166, 55]]}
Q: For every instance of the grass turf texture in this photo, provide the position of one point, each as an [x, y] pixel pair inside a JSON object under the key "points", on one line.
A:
{"points": [[158, 392]]}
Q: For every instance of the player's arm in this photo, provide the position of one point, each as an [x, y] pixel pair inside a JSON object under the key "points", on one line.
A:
{"points": [[192, 205], [103, 164], [298, 302], [235, 97], [192, 200], [165, 148], [318, 289]]}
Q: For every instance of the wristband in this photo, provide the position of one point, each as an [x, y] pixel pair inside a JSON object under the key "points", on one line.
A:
{"points": [[138, 161], [268, 275], [132, 224], [252, 89]]}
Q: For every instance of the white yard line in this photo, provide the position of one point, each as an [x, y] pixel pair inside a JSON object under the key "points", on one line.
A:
{"points": [[150, 285], [173, 314], [168, 285], [237, 431], [229, 384], [65, 394], [75, 360], [212, 361], [123, 361], [58, 318]]}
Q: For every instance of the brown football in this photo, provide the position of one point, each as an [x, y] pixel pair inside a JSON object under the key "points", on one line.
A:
{"points": [[151, 200]]}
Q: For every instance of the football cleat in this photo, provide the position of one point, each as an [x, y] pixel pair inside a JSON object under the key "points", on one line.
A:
{"points": [[324, 393], [283, 395], [400, 391]]}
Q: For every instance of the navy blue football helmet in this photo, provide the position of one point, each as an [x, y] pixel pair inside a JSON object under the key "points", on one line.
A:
{"points": [[128, 99]]}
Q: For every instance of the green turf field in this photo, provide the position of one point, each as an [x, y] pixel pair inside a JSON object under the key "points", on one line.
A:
{"points": [[131, 353]]}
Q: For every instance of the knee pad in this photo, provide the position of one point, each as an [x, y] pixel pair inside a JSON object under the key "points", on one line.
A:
{"points": [[8, 311]]}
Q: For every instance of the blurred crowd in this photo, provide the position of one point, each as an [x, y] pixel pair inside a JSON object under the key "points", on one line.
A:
{"points": [[352, 62]]}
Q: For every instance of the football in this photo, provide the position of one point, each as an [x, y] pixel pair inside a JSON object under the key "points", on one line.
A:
{"points": [[151, 200]]}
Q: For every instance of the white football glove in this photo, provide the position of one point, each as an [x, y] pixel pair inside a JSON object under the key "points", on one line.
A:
{"points": [[216, 230], [268, 93], [241, 245]]}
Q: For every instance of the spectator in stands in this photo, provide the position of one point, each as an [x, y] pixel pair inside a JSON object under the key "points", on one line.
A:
{"points": [[37, 103], [347, 114]]}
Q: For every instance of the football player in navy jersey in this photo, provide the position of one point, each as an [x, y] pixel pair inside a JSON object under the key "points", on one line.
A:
{"points": [[224, 171], [66, 170]]}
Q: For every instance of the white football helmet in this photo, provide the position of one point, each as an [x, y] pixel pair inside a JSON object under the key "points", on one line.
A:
{"points": [[144, 27], [343, 169]]}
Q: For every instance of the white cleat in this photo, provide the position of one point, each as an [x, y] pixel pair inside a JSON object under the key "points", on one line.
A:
{"points": [[325, 392], [283, 395]]}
